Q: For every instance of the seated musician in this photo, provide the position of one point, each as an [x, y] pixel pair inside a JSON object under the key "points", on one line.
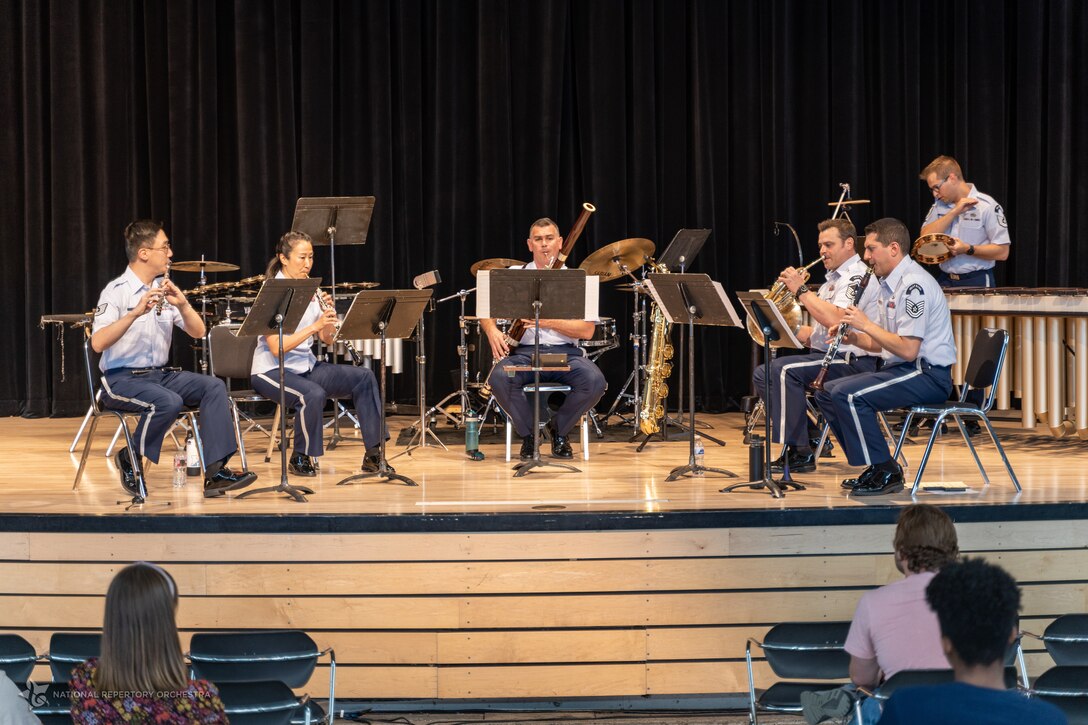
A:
{"points": [[586, 381], [913, 333], [309, 382], [132, 330], [791, 375]]}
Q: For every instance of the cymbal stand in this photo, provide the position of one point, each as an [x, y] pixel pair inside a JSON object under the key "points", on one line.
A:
{"points": [[419, 437], [461, 394], [638, 362]]}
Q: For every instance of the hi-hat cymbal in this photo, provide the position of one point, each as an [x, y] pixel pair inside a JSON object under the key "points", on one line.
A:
{"points": [[495, 263], [639, 287], [208, 266], [610, 261]]}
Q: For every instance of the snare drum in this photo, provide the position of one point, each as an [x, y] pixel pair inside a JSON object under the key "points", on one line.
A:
{"points": [[604, 335], [480, 361]]}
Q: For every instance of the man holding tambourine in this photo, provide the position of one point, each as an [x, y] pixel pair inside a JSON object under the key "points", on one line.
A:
{"points": [[975, 221]]}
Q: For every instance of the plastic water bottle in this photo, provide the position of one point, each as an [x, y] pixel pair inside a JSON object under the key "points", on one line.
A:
{"points": [[700, 452], [472, 436], [179, 469], [192, 460]]}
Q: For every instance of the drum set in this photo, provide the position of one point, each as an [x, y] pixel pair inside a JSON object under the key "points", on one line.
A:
{"points": [[616, 261]]}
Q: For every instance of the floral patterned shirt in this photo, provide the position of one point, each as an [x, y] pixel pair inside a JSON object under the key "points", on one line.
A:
{"points": [[197, 703]]}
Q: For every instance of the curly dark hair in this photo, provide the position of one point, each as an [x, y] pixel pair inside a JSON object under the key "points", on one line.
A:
{"points": [[977, 605], [925, 538]]}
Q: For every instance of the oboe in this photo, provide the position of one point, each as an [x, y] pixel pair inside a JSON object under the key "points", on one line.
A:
{"points": [[162, 300], [355, 356], [857, 289]]}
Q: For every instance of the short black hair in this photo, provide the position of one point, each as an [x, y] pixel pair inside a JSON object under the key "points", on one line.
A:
{"points": [[977, 605], [139, 234], [888, 230]]}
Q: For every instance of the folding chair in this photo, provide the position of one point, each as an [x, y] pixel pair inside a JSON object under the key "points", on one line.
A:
{"points": [[17, 657], [258, 703], [68, 649], [231, 356], [1066, 684], [98, 412], [983, 370], [808, 651], [547, 389], [289, 656]]}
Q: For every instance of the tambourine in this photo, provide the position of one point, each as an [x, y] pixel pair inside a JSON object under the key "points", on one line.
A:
{"points": [[933, 248]]}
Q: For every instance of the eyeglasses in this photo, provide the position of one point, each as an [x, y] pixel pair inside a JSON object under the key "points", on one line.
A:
{"points": [[936, 189], [164, 248]]}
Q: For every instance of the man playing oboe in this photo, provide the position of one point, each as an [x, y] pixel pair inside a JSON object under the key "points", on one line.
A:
{"points": [[792, 374]]}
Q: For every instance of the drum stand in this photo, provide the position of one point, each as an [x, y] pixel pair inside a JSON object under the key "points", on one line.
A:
{"points": [[461, 394], [419, 435]]}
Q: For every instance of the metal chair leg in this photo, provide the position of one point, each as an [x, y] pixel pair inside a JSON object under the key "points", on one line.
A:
{"points": [[971, 447]]}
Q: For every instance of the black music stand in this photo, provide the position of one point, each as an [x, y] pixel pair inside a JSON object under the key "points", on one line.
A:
{"points": [[687, 298], [774, 329], [555, 294], [332, 220], [280, 305], [678, 257], [378, 315]]}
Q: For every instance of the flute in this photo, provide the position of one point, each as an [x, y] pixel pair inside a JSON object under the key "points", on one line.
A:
{"points": [[162, 300]]}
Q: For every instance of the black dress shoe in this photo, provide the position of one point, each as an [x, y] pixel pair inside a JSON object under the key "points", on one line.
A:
{"points": [[799, 462], [973, 428], [865, 475], [561, 446], [829, 447], [128, 472], [301, 465], [372, 464], [225, 480], [880, 483], [526, 448]]}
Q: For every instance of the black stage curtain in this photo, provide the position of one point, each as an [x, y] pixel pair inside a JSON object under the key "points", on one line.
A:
{"points": [[468, 119]]}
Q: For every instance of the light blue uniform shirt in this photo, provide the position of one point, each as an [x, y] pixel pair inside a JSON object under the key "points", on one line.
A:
{"points": [[912, 304], [146, 344], [301, 359], [836, 290], [547, 337], [984, 223]]}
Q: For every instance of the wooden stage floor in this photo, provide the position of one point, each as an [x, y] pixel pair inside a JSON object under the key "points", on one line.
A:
{"points": [[615, 480]]}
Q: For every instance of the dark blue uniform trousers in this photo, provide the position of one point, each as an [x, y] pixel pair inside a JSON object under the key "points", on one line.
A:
{"points": [[790, 377], [158, 396], [308, 392], [850, 405], [586, 381]]}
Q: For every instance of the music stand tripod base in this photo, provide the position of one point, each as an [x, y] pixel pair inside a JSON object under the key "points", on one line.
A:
{"points": [[384, 472], [695, 469], [295, 492]]}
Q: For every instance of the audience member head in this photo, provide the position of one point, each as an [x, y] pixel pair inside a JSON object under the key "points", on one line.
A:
{"points": [[925, 539], [140, 647], [977, 606]]}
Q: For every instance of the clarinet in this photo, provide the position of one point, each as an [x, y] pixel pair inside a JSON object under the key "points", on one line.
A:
{"points": [[355, 356], [857, 289], [162, 300]]}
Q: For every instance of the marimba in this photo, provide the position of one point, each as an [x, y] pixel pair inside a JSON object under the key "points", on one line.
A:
{"points": [[1047, 362]]}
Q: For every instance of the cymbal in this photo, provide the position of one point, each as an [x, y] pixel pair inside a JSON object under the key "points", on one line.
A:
{"points": [[209, 266], [608, 261], [849, 202], [356, 285], [641, 288], [495, 263]]}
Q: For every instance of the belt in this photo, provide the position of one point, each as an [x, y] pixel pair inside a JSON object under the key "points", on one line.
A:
{"points": [[143, 371], [967, 275]]}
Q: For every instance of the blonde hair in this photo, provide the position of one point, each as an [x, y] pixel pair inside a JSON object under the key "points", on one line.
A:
{"points": [[140, 647], [942, 166]]}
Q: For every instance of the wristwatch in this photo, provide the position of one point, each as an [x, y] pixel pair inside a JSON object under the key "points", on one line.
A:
{"points": [[800, 291], [971, 250]]}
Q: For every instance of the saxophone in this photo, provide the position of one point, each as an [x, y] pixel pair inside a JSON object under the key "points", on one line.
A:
{"points": [[658, 369]]}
